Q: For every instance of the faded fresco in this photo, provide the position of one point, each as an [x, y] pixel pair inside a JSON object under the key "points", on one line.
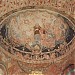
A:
{"points": [[37, 37]]}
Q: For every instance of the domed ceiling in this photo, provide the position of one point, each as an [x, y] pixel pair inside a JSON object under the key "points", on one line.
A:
{"points": [[33, 35], [37, 27]]}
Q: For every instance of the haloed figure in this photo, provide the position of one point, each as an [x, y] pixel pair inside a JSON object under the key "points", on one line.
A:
{"points": [[37, 36]]}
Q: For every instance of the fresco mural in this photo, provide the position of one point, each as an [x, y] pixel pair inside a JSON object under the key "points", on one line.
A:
{"points": [[28, 33], [37, 40]]}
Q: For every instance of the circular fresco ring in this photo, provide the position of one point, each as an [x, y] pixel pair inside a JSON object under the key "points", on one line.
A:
{"points": [[34, 52]]}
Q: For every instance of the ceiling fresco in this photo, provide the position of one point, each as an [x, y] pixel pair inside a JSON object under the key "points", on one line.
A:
{"points": [[37, 40], [36, 34]]}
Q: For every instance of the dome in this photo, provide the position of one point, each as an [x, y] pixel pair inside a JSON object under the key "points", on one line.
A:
{"points": [[36, 34]]}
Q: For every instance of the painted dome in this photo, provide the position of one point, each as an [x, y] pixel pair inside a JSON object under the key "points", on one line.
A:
{"points": [[38, 34]]}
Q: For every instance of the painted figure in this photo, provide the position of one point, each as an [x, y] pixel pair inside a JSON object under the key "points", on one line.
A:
{"points": [[37, 36], [38, 32]]}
